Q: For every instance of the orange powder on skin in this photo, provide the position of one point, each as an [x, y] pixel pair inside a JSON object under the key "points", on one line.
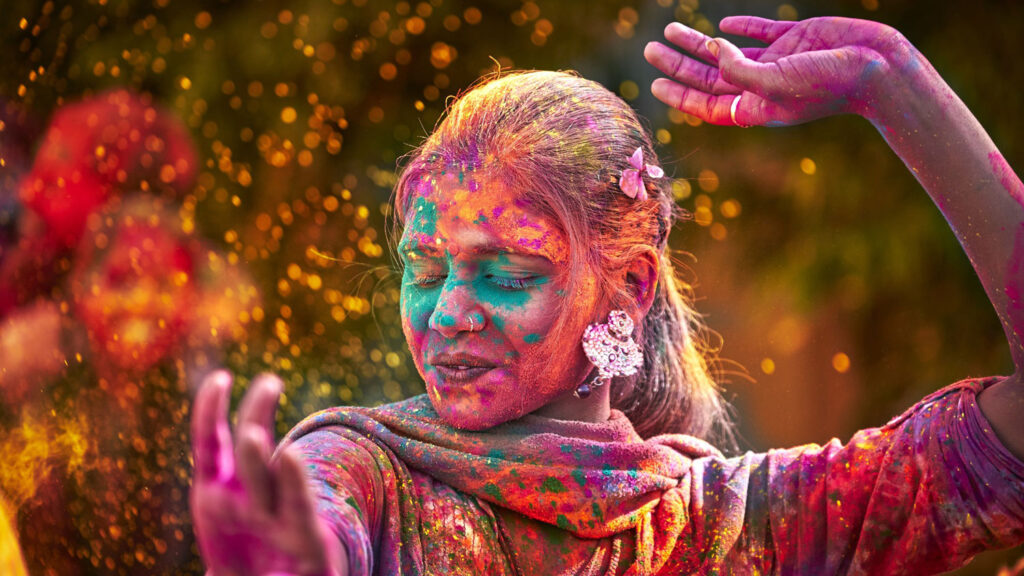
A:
{"points": [[464, 240]]}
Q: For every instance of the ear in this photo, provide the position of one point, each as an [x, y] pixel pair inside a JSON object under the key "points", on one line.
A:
{"points": [[642, 278]]}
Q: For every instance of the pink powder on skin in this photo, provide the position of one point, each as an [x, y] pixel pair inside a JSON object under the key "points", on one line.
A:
{"points": [[1015, 271], [457, 259], [1015, 285], [1007, 177]]}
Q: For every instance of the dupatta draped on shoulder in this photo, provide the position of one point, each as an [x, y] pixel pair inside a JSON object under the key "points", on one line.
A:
{"points": [[592, 480], [920, 495]]}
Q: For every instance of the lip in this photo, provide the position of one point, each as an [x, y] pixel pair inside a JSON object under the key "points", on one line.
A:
{"points": [[460, 359], [460, 367]]}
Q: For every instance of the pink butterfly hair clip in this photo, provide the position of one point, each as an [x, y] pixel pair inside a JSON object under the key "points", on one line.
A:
{"points": [[631, 182]]}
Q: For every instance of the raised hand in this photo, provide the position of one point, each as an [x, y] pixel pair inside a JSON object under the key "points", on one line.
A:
{"points": [[809, 69], [253, 515]]}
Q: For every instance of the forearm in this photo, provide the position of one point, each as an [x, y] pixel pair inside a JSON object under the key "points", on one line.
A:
{"points": [[948, 151], [952, 156]]}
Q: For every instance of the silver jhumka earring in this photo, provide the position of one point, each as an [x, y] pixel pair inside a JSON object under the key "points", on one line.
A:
{"points": [[611, 349]]}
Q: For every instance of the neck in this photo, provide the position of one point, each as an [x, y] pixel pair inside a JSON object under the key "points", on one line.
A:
{"points": [[593, 408]]}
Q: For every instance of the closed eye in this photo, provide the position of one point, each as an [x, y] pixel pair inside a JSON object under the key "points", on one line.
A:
{"points": [[428, 281], [506, 283]]}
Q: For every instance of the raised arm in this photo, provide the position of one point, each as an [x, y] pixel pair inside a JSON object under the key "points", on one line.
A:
{"points": [[828, 66]]}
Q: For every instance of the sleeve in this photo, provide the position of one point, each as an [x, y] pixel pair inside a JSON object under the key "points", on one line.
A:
{"points": [[920, 495], [348, 487]]}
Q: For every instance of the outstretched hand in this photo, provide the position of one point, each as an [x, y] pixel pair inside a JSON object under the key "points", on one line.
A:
{"points": [[253, 514], [825, 66], [808, 70]]}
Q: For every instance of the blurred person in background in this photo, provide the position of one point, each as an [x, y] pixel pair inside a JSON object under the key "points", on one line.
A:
{"points": [[92, 151], [109, 301]]}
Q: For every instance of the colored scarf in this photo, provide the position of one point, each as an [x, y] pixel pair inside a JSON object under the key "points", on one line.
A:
{"points": [[592, 480]]}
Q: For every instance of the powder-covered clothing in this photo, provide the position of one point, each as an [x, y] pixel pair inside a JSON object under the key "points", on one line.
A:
{"points": [[407, 494]]}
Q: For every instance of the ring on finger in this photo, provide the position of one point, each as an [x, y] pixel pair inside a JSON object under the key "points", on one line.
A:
{"points": [[732, 110]]}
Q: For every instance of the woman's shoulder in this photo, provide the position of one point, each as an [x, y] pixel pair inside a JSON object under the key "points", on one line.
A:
{"points": [[970, 387]]}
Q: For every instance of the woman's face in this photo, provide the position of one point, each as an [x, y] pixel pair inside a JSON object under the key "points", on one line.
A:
{"points": [[480, 291]]}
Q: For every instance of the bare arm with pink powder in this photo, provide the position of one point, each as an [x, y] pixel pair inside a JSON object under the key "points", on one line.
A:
{"points": [[829, 66]]}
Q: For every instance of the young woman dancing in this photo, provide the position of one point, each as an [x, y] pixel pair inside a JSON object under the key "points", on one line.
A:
{"points": [[570, 421]]}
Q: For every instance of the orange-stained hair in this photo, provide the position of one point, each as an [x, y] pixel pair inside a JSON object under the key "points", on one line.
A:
{"points": [[563, 141]]}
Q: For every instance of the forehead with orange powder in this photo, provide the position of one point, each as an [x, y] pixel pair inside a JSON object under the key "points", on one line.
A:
{"points": [[475, 248], [470, 204]]}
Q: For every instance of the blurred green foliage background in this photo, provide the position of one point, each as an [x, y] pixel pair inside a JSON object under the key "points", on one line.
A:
{"points": [[837, 289]]}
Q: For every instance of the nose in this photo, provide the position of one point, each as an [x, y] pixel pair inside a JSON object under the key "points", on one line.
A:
{"points": [[457, 309]]}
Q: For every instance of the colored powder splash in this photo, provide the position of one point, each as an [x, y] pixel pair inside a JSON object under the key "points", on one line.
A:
{"points": [[11, 562], [32, 450]]}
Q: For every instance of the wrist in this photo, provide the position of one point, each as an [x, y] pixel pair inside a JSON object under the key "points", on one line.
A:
{"points": [[898, 77]]}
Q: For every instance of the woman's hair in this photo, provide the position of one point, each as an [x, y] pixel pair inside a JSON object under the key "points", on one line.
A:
{"points": [[563, 141]]}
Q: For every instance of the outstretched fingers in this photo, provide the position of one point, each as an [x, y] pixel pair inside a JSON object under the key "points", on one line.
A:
{"points": [[259, 405], [687, 70], [296, 503], [254, 472], [256, 440], [296, 509], [689, 40], [761, 29], [713, 66], [211, 434], [741, 71], [753, 53], [708, 107]]}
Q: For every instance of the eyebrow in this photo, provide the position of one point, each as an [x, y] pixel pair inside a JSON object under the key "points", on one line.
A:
{"points": [[487, 249]]}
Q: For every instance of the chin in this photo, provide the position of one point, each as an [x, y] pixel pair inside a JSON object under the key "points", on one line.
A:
{"points": [[477, 413]]}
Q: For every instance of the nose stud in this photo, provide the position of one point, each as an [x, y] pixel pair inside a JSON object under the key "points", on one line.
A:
{"points": [[472, 317]]}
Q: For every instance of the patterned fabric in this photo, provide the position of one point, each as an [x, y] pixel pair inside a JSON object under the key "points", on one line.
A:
{"points": [[407, 494]]}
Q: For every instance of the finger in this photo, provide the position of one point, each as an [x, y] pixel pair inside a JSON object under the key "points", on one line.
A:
{"points": [[738, 70], [753, 53], [708, 107], [259, 405], [253, 455], [295, 499], [211, 434], [761, 29], [752, 110], [687, 70], [297, 509], [689, 39]]}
